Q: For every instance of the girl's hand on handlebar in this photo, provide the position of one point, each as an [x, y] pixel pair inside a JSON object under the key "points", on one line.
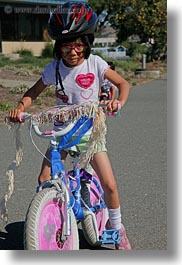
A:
{"points": [[14, 115], [111, 105]]}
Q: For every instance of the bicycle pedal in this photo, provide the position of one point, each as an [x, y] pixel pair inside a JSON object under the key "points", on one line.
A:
{"points": [[110, 237]]}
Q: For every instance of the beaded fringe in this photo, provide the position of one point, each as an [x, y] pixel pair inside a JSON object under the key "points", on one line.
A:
{"points": [[67, 113]]}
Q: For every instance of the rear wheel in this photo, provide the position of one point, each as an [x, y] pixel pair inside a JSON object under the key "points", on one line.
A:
{"points": [[45, 221], [94, 223]]}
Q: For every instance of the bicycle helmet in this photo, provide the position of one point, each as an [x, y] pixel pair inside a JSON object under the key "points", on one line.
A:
{"points": [[73, 19]]}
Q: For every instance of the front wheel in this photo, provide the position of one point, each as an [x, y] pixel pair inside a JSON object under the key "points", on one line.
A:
{"points": [[45, 222]]}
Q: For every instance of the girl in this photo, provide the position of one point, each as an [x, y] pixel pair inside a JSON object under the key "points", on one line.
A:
{"points": [[78, 75]]}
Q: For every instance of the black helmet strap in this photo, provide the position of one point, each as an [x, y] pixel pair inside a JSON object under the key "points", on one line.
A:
{"points": [[60, 93]]}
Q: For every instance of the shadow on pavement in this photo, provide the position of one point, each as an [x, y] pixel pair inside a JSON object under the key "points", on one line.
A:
{"points": [[12, 238]]}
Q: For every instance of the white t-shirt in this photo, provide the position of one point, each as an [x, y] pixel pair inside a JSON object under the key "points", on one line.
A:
{"points": [[81, 83]]}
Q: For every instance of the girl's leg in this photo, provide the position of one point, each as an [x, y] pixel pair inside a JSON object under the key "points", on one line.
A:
{"points": [[101, 165], [45, 169]]}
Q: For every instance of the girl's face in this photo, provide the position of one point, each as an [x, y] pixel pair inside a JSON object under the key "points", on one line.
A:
{"points": [[73, 52]]}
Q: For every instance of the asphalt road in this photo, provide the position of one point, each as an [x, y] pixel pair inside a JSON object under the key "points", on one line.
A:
{"points": [[137, 146]]}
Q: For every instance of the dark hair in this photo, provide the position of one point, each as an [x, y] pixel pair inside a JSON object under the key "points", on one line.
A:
{"points": [[86, 39], [112, 65]]}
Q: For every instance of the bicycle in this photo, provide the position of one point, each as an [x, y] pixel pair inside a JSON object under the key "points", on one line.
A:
{"points": [[70, 196]]}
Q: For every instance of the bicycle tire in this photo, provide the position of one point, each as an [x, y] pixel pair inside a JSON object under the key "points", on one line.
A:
{"points": [[44, 233], [94, 223]]}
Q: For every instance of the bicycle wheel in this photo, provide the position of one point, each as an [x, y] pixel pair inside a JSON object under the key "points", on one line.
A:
{"points": [[45, 222], [94, 223]]}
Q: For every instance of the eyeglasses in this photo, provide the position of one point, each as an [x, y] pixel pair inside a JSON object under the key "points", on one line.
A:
{"points": [[77, 47]]}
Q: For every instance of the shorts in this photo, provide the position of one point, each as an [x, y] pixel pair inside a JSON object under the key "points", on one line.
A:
{"points": [[84, 144]]}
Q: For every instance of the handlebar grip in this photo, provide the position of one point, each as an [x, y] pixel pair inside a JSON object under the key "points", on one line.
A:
{"points": [[119, 106], [21, 118], [112, 113], [24, 116]]}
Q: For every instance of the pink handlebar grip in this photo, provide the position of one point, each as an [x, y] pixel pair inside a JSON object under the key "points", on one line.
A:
{"points": [[21, 117], [24, 116], [118, 106], [49, 132], [113, 113]]}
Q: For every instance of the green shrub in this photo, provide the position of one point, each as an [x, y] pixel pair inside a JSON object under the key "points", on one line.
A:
{"points": [[47, 51], [135, 50], [25, 53], [4, 61]]}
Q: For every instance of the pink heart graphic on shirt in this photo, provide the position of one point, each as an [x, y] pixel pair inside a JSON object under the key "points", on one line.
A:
{"points": [[85, 80], [86, 94]]}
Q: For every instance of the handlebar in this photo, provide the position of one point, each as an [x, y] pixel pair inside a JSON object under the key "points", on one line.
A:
{"points": [[110, 113], [69, 113], [51, 133]]}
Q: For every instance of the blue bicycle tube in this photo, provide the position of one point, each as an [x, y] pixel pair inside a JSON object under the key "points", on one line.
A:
{"points": [[86, 124], [78, 211], [95, 181], [56, 164]]}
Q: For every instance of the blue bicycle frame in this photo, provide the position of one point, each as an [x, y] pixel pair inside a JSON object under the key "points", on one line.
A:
{"points": [[76, 175], [72, 179]]}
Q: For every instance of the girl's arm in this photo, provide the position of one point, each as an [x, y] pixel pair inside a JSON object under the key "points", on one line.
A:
{"points": [[123, 89], [113, 92], [26, 100]]}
